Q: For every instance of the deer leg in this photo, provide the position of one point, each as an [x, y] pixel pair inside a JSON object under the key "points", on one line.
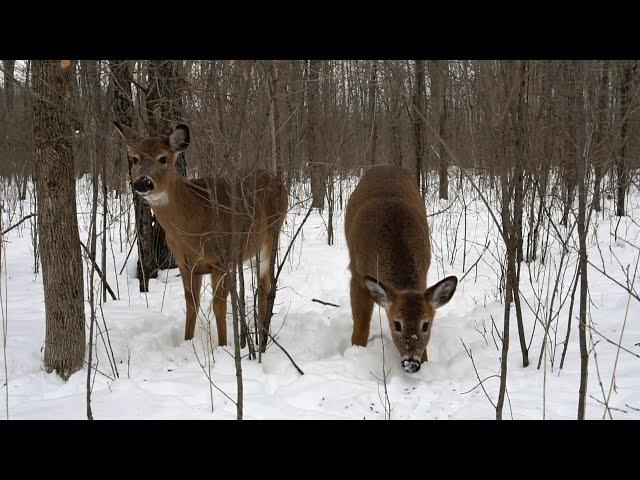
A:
{"points": [[361, 309], [264, 289], [191, 283], [220, 294]]}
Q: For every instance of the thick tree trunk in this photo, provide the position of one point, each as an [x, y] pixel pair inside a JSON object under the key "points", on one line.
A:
{"points": [[57, 221], [124, 113], [164, 106]]}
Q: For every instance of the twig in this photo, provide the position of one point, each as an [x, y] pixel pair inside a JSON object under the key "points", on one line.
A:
{"points": [[17, 224], [614, 343], [477, 374], [202, 366], [476, 262], [286, 254], [285, 352], [481, 382], [135, 237], [86, 250], [607, 407], [628, 289], [443, 210], [325, 303]]}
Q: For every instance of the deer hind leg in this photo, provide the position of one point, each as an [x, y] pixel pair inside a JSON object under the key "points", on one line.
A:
{"points": [[361, 309], [264, 290], [191, 283], [219, 303]]}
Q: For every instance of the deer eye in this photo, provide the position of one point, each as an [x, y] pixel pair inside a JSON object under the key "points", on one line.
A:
{"points": [[135, 160], [162, 160], [425, 327], [397, 326]]}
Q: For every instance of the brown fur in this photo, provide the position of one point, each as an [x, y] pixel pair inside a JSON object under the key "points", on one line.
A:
{"points": [[388, 239], [196, 218]]}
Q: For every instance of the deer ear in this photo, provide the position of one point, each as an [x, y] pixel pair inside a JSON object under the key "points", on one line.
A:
{"points": [[179, 138], [378, 292], [129, 136], [440, 293]]}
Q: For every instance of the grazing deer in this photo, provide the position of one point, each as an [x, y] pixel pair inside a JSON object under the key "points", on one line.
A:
{"points": [[388, 239], [196, 217]]}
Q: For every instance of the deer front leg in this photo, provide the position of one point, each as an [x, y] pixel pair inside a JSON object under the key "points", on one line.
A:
{"points": [[264, 289], [220, 294], [361, 309], [191, 283]]}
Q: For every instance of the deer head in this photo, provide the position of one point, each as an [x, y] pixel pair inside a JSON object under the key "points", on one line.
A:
{"points": [[153, 161], [410, 314]]}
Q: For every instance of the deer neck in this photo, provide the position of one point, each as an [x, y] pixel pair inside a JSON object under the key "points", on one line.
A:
{"points": [[178, 206]]}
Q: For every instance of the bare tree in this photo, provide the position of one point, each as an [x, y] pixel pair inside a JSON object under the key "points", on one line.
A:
{"points": [[57, 223], [627, 81], [579, 134], [313, 143], [600, 151], [439, 73], [372, 124], [418, 113]]}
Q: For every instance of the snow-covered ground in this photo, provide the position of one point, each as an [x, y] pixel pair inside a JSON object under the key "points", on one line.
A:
{"points": [[162, 376]]}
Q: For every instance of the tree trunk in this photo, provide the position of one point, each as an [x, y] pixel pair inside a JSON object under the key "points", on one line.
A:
{"points": [[164, 106], [57, 221], [124, 113], [372, 132], [417, 115], [313, 144], [439, 76], [600, 156], [622, 180], [579, 134], [9, 67]]}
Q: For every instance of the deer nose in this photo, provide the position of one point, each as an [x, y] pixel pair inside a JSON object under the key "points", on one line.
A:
{"points": [[411, 365], [143, 185]]}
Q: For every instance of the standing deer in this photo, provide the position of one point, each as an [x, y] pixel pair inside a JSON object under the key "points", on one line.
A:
{"points": [[390, 252], [196, 217]]}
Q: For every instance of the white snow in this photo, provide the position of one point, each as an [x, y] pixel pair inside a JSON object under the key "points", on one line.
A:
{"points": [[160, 375]]}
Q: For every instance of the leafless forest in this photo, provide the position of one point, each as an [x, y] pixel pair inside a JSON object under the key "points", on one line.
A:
{"points": [[546, 146]]}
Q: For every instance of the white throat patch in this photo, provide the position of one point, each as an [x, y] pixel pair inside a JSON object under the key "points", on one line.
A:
{"points": [[156, 199]]}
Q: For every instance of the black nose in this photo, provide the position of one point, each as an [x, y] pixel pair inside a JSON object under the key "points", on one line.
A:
{"points": [[142, 185], [411, 365]]}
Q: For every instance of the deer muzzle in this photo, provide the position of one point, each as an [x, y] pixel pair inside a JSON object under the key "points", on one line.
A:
{"points": [[411, 365], [143, 185]]}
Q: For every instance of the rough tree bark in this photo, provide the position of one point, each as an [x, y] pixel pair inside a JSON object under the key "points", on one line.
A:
{"points": [[57, 222], [124, 113]]}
